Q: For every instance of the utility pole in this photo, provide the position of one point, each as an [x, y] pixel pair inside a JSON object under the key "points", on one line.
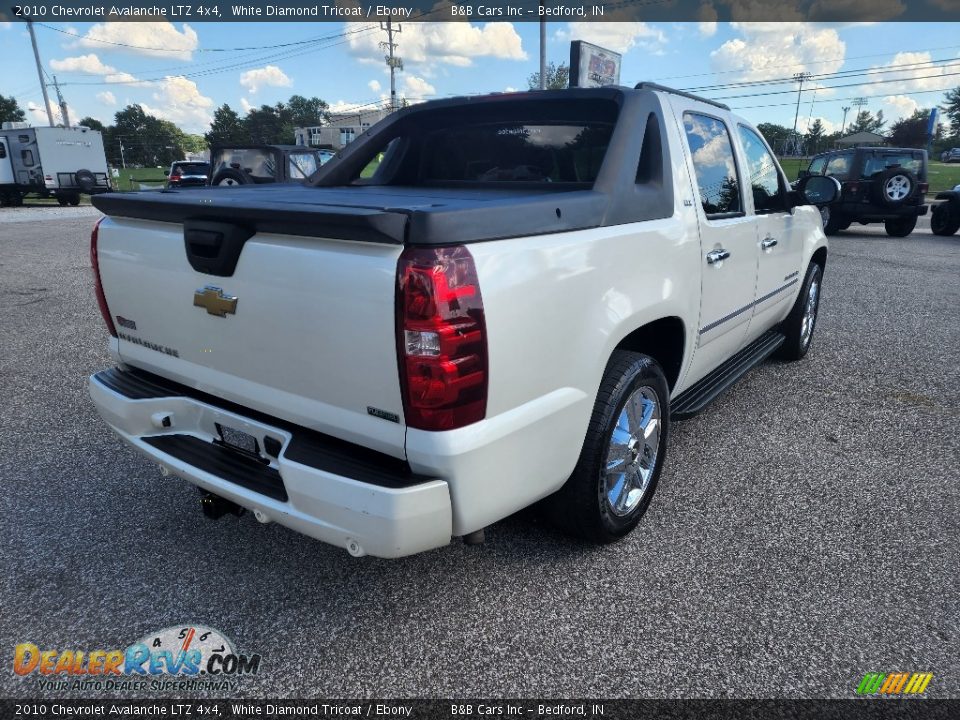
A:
{"points": [[799, 77], [393, 62], [63, 104], [543, 50], [843, 125], [43, 85], [123, 163]]}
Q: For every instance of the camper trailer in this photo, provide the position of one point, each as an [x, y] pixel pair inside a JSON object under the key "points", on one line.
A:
{"points": [[60, 162]]}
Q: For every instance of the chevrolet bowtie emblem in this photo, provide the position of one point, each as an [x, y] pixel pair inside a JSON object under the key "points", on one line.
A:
{"points": [[216, 303]]}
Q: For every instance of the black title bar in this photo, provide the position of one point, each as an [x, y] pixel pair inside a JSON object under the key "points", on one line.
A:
{"points": [[481, 10]]}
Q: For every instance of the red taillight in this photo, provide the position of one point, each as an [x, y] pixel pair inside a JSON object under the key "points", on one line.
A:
{"points": [[175, 176], [924, 187], [97, 285], [441, 338]]}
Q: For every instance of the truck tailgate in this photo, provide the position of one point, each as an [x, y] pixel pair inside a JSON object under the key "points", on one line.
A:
{"points": [[310, 339]]}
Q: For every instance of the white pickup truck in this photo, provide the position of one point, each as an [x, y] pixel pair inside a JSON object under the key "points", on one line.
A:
{"points": [[480, 304]]}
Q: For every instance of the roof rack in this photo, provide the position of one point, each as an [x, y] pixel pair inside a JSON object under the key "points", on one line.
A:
{"points": [[664, 88]]}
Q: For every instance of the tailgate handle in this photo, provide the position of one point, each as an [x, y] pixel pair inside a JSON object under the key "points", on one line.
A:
{"points": [[214, 247]]}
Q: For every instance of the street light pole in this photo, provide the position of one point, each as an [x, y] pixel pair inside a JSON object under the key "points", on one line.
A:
{"points": [[843, 125], [543, 50]]}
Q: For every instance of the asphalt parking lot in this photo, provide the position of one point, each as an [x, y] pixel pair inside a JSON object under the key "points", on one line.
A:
{"points": [[806, 528]]}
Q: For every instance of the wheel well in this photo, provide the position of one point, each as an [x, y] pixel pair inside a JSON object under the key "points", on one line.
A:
{"points": [[820, 258], [663, 340]]}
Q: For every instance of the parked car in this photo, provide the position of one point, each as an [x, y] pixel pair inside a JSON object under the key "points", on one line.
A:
{"points": [[260, 164], [945, 216], [878, 184], [514, 306], [949, 156], [188, 173]]}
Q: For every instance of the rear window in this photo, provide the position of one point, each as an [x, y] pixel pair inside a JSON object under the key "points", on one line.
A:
{"points": [[495, 144], [193, 168], [255, 162], [878, 162]]}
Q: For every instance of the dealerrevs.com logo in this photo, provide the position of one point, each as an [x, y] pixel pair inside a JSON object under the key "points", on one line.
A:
{"points": [[188, 657], [900, 683]]}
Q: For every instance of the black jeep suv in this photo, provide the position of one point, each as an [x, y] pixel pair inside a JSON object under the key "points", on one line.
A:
{"points": [[878, 184]]}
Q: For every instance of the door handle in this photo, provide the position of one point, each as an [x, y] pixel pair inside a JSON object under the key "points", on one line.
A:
{"points": [[768, 242], [715, 256]]}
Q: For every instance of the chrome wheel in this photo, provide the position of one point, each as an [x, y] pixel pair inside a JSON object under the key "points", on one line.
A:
{"points": [[632, 449], [897, 188], [810, 311]]}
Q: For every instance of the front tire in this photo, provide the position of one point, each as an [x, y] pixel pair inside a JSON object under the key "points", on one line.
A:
{"points": [[944, 222], [800, 323], [623, 453]]}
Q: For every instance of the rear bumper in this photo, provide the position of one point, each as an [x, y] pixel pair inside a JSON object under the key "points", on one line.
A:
{"points": [[876, 213], [333, 491]]}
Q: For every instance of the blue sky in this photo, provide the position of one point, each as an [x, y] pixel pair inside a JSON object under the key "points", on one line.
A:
{"points": [[184, 71]]}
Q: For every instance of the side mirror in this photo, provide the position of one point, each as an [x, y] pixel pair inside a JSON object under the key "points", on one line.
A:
{"points": [[817, 190], [166, 173]]}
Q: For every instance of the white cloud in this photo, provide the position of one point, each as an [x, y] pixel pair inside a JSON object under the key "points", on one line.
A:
{"points": [[155, 39], [92, 65], [773, 50], [918, 77], [899, 106], [179, 101], [5, 25], [707, 28], [246, 106], [374, 85], [269, 76], [617, 36], [450, 43], [418, 87], [39, 117], [509, 89], [107, 98]]}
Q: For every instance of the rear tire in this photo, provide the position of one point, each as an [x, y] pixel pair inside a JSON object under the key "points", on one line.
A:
{"points": [[629, 429], [900, 227], [229, 178], [943, 221], [802, 321]]}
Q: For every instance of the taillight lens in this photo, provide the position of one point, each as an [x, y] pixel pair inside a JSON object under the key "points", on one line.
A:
{"points": [[98, 286], [924, 187], [441, 338]]}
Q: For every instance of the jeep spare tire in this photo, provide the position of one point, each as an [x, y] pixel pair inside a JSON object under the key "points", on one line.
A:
{"points": [[894, 186], [85, 180], [228, 178]]}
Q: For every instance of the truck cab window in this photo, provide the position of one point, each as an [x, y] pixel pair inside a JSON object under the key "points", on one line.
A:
{"points": [[764, 176], [714, 164]]}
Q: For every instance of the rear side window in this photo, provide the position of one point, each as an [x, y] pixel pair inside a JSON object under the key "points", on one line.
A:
{"points": [[302, 165], [878, 162], [714, 164], [764, 175], [257, 163], [839, 165], [3, 151]]}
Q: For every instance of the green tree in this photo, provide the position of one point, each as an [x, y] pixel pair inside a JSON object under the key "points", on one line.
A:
{"points": [[912, 131], [269, 125], [774, 134], [307, 112], [193, 143], [227, 128], [147, 140], [814, 137], [10, 110], [92, 123], [867, 122], [951, 108], [558, 77]]}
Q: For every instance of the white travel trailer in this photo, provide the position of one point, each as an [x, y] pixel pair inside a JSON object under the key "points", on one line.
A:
{"points": [[60, 162]]}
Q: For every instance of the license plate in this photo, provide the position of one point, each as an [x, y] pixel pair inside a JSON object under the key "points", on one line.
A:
{"points": [[238, 439]]}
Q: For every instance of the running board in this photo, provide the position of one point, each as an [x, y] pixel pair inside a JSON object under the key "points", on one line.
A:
{"points": [[697, 397]]}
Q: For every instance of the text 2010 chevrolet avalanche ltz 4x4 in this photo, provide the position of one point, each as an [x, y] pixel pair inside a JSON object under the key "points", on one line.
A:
{"points": [[482, 303]]}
